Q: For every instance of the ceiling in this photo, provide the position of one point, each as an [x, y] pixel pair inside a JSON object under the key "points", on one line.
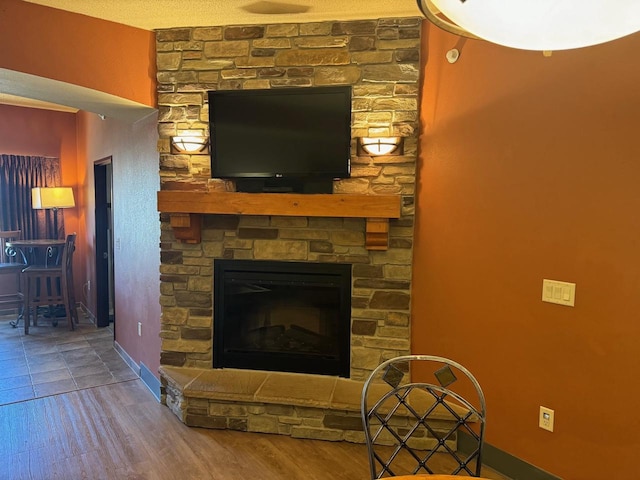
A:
{"points": [[35, 92], [155, 14]]}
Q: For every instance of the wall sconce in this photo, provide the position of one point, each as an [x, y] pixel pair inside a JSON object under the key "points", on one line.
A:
{"points": [[43, 198], [380, 146], [190, 144]]}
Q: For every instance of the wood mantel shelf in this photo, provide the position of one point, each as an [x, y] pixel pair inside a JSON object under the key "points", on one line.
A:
{"points": [[186, 209]]}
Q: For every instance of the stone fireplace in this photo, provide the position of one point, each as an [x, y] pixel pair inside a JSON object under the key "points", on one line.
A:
{"points": [[379, 59]]}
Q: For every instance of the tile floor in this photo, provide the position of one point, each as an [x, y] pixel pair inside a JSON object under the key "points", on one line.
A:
{"points": [[52, 360]]}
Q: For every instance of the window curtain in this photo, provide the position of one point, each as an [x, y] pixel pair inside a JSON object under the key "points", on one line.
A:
{"points": [[18, 175]]}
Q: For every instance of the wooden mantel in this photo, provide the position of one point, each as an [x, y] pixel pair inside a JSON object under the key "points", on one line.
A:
{"points": [[186, 209]]}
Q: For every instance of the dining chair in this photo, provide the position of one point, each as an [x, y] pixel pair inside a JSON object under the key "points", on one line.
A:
{"points": [[50, 285], [423, 414], [10, 266]]}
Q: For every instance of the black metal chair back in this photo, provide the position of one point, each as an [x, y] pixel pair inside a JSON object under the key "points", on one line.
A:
{"points": [[8, 257], [416, 422], [9, 265]]}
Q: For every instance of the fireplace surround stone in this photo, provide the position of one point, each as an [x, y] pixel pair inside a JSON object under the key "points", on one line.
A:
{"points": [[380, 295], [380, 59]]}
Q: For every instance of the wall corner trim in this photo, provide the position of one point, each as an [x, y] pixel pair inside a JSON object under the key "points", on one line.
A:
{"points": [[150, 380], [147, 377]]}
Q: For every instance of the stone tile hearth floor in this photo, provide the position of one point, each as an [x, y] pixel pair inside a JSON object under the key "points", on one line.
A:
{"points": [[52, 360]]}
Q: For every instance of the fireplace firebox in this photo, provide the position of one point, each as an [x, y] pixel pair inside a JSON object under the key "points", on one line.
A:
{"points": [[282, 316]]}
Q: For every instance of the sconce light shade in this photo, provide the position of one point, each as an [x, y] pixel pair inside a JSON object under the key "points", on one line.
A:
{"points": [[189, 144], [380, 145], [52, 197], [537, 25]]}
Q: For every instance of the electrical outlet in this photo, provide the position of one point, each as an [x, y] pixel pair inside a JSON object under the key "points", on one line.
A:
{"points": [[139, 329], [546, 418], [88, 285]]}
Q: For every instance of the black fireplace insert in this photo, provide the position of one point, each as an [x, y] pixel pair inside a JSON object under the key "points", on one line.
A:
{"points": [[282, 316]]}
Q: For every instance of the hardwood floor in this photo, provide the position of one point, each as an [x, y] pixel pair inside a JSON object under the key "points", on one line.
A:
{"points": [[120, 431], [70, 408]]}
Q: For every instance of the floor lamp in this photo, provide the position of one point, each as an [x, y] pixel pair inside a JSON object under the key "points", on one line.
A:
{"points": [[53, 198]]}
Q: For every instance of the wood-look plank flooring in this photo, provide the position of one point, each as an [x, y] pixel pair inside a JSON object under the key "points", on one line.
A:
{"points": [[120, 431]]}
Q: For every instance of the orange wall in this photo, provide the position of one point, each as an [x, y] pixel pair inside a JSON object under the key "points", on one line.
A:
{"points": [[29, 131], [104, 56], [530, 169]]}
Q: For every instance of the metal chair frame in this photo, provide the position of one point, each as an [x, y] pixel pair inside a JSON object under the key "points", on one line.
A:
{"points": [[10, 266], [380, 418]]}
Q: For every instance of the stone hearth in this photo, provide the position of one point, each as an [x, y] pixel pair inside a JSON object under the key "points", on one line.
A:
{"points": [[300, 405]]}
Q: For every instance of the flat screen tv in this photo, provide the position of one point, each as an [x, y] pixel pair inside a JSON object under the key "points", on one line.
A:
{"points": [[281, 140]]}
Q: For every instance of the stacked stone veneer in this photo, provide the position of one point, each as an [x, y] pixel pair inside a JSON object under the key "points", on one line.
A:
{"points": [[380, 59], [302, 406]]}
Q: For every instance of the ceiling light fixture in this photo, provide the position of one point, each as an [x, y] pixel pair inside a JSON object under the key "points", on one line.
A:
{"points": [[536, 25]]}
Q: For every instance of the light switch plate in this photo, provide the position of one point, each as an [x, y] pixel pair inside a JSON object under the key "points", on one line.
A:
{"points": [[562, 293]]}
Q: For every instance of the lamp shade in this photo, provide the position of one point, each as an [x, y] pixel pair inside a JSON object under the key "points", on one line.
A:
{"points": [[542, 24], [380, 145], [190, 144], [52, 197]]}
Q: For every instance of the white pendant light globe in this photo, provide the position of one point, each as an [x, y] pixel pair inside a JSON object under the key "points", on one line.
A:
{"points": [[543, 24]]}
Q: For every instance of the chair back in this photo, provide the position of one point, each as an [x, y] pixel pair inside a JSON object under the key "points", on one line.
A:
{"points": [[5, 237], [414, 416], [50, 284], [67, 259]]}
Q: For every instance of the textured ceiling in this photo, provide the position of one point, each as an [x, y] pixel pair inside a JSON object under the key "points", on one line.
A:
{"points": [[154, 14], [23, 90]]}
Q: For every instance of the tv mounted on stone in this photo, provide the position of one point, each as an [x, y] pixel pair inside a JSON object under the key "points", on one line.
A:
{"points": [[282, 139]]}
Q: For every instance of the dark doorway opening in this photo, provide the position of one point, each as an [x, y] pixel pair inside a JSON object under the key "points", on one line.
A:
{"points": [[282, 316], [105, 305]]}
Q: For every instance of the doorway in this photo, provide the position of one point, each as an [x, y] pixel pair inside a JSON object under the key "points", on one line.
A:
{"points": [[105, 304]]}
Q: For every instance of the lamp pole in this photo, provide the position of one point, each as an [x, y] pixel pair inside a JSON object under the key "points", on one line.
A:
{"points": [[56, 235]]}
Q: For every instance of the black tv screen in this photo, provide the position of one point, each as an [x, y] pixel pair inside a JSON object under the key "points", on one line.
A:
{"points": [[281, 134]]}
